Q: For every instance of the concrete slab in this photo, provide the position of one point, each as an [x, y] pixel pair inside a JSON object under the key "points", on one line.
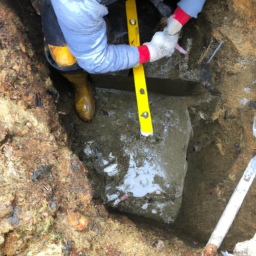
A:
{"points": [[138, 175]]}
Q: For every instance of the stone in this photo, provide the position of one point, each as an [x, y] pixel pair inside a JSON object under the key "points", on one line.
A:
{"points": [[160, 245], [246, 248], [1, 240], [5, 226], [5, 205], [141, 175]]}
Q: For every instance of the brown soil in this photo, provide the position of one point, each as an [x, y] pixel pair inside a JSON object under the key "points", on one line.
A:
{"points": [[54, 211]]}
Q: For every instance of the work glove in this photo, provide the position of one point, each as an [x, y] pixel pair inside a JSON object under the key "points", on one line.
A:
{"points": [[175, 23], [161, 45], [164, 43]]}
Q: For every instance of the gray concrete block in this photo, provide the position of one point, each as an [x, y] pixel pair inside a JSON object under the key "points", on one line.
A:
{"points": [[139, 175]]}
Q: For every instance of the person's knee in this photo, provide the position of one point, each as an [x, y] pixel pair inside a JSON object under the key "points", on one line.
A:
{"points": [[62, 56]]}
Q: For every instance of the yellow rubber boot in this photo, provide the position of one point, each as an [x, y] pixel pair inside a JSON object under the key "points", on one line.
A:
{"points": [[84, 101]]}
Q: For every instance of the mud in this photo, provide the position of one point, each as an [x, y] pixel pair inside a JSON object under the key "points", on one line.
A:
{"points": [[221, 114]]}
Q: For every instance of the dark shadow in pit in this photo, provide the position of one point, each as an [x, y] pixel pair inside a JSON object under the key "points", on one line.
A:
{"points": [[32, 23], [175, 87], [146, 223]]}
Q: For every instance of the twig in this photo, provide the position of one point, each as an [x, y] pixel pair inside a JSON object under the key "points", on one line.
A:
{"points": [[204, 53]]}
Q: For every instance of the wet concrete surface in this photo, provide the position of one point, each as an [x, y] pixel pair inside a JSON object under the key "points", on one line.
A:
{"points": [[136, 174]]}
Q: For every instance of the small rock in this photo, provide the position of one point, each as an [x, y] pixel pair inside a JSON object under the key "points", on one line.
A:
{"points": [[5, 226], [14, 220], [12, 244], [202, 115], [17, 210], [232, 177], [78, 221], [197, 148], [160, 245], [1, 240], [40, 171], [102, 210], [53, 206], [6, 205], [219, 145], [246, 248]]}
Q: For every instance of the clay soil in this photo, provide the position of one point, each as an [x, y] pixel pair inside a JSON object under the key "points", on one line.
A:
{"points": [[46, 200]]}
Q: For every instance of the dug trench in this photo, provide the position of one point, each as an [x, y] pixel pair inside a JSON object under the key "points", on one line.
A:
{"points": [[220, 98]]}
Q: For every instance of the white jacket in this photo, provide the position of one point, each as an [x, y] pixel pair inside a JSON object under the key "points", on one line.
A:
{"points": [[84, 29]]}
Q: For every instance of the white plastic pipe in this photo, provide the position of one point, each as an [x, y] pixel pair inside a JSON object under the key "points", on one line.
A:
{"points": [[234, 204], [254, 126]]}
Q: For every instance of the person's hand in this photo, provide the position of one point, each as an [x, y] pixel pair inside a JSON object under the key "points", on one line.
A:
{"points": [[161, 45], [175, 23], [173, 27]]}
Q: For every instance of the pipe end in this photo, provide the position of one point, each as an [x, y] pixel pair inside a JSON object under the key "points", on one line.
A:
{"points": [[210, 250]]}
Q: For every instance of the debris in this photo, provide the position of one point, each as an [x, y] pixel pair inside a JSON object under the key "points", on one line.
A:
{"points": [[53, 206], [246, 248], [202, 115], [243, 101], [219, 145], [232, 177], [45, 187], [12, 244], [215, 52], [22, 47], [62, 113], [14, 220], [17, 210], [181, 50], [160, 245], [37, 4], [102, 210], [41, 170], [123, 199], [5, 226], [254, 127], [197, 148], [205, 52], [227, 254], [1, 240], [6, 205], [38, 101], [247, 90], [78, 221]]}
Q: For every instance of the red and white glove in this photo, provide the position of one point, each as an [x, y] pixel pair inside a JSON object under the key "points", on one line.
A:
{"points": [[175, 23], [160, 46], [164, 43]]}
